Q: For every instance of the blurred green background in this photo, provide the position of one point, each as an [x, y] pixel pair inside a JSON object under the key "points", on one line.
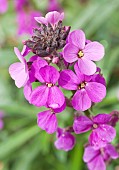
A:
{"points": [[23, 146]]}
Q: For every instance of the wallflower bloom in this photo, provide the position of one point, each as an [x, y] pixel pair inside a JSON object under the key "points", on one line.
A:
{"points": [[77, 50], [96, 159], [3, 6], [48, 94], [65, 140], [51, 17], [88, 88], [19, 71], [102, 133], [47, 120]]}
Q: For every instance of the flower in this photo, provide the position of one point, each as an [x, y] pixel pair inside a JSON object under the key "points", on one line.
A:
{"points": [[88, 88], [19, 71], [77, 50], [114, 118], [96, 159], [50, 36], [51, 17], [26, 21], [3, 6], [47, 120], [53, 5], [65, 140], [48, 94], [102, 133]]}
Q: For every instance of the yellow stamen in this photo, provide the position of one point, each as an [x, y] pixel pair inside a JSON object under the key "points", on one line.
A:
{"points": [[49, 84], [80, 54], [95, 126], [82, 85]]}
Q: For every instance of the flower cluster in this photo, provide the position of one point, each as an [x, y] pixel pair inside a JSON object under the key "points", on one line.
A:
{"points": [[59, 60]]}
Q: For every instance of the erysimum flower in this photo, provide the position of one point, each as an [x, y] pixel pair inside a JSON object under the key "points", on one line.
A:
{"points": [[51, 17], [65, 140], [96, 159], [102, 133], [48, 94], [88, 88], [47, 120], [77, 50], [3, 6], [19, 71]]}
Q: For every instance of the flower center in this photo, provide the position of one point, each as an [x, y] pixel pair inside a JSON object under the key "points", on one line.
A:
{"points": [[49, 84], [80, 54], [82, 85], [95, 126]]}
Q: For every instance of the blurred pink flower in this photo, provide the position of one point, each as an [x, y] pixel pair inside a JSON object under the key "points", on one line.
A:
{"points": [[3, 6]]}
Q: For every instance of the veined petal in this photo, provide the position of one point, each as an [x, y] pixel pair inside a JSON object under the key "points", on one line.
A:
{"points": [[81, 77], [70, 53], [47, 121], [90, 153], [96, 91], [82, 124], [102, 118], [27, 90], [55, 98], [41, 20], [110, 149], [54, 17], [81, 101], [86, 66], [94, 51], [77, 38], [49, 74], [39, 96], [68, 80]]}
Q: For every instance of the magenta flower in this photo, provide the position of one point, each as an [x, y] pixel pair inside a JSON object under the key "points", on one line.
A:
{"points": [[65, 140], [51, 17], [19, 4], [47, 120], [77, 50], [114, 118], [88, 88], [48, 94], [102, 133], [19, 71], [26, 21], [96, 159], [3, 6], [53, 5]]}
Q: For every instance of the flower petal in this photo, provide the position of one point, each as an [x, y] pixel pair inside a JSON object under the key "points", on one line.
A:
{"points": [[90, 153], [77, 38], [65, 142], [97, 164], [41, 20], [47, 121], [81, 77], [102, 118], [82, 124], [86, 66], [68, 80], [27, 90], [110, 149], [96, 91], [55, 98], [39, 96], [18, 54], [49, 74], [54, 17], [81, 101], [94, 51], [70, 53]]}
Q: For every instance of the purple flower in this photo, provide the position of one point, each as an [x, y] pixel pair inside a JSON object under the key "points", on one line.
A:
{"points": [[19, 71], [19, 4], [102, 133], [48, 94], [88, 88], [53, 5], [47, 120], [77, 50], [114, 118], [96, 159], [51, 17], [65, 140], [26, 21], [3, 6]]}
